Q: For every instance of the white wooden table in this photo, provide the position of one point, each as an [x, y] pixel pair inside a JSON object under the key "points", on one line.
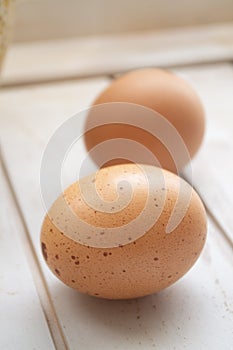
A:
{"points": [[43, 84]]}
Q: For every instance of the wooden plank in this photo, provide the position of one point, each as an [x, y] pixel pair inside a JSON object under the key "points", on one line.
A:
{"points": [[33, 117], [196, 313], [213, 166], [34, 21], [95, 56], [46, 108], [22, 321]]}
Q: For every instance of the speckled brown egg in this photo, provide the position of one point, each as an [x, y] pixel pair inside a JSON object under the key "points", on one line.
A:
{"points": [[163, 92], [124, 232]]}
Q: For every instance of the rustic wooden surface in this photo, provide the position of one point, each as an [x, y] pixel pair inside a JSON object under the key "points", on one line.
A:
{"points": [[42, 313], [96, 56]]}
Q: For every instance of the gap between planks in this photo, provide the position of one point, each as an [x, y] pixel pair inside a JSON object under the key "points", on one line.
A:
{"points": [[34, 265], [44, 296], [211, 212], [111, 54], [212, 217], [59, 80], [108, 75]]}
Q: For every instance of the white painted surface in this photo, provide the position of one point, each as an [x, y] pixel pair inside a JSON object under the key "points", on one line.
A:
{"points": [[36, 120], [196, 312], [213, 166], [28, 124], [72, 58], [22, 322]]}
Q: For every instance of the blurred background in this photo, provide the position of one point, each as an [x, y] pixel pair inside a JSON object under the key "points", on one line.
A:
{"points": [[53, 19]]}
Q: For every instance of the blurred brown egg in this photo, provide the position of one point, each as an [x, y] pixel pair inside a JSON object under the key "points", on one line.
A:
{"points": [[108, 257], [164, 93]]}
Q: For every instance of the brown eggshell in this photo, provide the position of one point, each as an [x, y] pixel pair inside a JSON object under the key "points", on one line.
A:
{"points": [[131, 266], [161, 91]]}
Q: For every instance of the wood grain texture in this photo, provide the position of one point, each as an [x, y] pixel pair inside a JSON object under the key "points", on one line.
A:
{"points": [[22, 321], [95, 56], [43, 111], [195, 313], [213, 166], [30, 121]]}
